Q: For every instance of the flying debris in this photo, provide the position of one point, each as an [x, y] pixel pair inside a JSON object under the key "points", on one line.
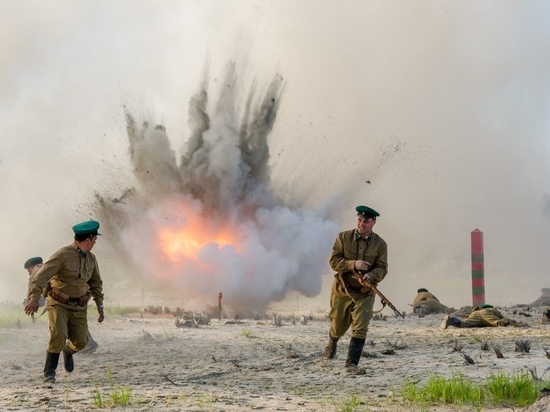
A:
{"points": [[208, 220], [123, 196]]}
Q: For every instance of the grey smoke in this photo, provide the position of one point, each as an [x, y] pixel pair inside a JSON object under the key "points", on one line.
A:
{"points": [[222, 180], [461, 89]]}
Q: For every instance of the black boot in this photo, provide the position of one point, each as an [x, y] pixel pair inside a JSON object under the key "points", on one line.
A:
{"points": [[330, 350], [51, 365], [450, 321], [354, 354], [68, 358]]}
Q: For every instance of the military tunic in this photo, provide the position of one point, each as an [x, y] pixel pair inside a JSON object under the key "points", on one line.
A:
{"points": [[486, 317], [42, 299], [351, 303], [75, 273], [428, 303]]}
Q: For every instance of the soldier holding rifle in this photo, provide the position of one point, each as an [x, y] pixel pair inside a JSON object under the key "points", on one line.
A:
{"points": [[355, 251]]}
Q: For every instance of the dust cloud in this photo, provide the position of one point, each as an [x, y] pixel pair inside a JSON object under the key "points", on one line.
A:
{"points": [[210, 222], [435, 114]]}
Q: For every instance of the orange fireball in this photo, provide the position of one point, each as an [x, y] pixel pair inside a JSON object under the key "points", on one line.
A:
{"points": [[183, 240]]}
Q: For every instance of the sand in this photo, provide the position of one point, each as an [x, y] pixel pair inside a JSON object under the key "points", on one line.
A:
{"points": [[245, 365]]}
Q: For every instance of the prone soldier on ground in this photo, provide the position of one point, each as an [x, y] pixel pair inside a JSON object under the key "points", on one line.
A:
{"points": [[484, 316]]}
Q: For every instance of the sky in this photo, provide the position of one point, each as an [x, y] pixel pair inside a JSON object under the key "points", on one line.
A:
{"points": [[434, 113]]}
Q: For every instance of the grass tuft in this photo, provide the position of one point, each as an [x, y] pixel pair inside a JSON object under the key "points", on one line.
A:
{"points": [[499, 389], [519, 389], [117, 310], [247, 333], [349, 405]]}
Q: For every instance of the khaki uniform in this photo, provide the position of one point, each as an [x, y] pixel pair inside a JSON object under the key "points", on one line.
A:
{"points": [[74, 273], [42, 299], [486, 317], [350, 303], [426, 302]]}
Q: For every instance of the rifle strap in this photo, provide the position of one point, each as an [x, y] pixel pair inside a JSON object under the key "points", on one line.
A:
{"points": [[353, 300]]}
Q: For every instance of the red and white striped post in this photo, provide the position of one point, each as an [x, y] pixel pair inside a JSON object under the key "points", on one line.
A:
{"points": [[478, 269]]}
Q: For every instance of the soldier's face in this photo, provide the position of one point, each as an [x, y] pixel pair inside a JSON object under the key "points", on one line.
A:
{"points": [[364, 226], [88, 244]]}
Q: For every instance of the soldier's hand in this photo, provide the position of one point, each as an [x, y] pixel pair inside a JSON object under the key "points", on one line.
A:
{"points": [[31, 307], [101, 315], [361, 265], [367, 277]]}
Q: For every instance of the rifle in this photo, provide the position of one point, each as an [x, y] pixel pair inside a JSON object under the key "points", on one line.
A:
{"points": [[366, 282]]}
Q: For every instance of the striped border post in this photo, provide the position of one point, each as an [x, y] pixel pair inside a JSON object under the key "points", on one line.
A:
{"points": [[478, 275]]}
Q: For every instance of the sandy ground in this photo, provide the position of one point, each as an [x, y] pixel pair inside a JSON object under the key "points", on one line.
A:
{"points": [[249, 365]]}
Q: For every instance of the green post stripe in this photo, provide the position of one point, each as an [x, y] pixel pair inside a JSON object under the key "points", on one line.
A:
{"points": [[477, 273], [478, 290]]}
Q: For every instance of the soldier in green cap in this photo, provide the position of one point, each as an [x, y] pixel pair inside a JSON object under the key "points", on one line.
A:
{"points": [[31, 266], [74, 277], [481, 316], [363, 251]]}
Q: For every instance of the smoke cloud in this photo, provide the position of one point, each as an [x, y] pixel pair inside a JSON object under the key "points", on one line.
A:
{"points": [[221, 185], [433, 113]]}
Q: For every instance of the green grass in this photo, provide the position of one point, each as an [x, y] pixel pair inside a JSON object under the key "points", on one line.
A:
{"points": [[119, 395], [247, 333], [114, 310], [204, 401], [518, 389], [438, 389], [98, 398], [350, 405], [12, 314]]}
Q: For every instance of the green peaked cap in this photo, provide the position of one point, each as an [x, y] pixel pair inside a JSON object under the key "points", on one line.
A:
{"points": [[366, 212], [32, 262], [88, 228]]}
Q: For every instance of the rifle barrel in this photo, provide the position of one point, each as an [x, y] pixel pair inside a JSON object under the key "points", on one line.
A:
{"points": [[368, 283]]}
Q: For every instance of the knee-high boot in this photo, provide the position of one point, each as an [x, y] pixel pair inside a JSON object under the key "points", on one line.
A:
{"points": [[68, 360], [330, 349], [51, 365], [354, 354]]}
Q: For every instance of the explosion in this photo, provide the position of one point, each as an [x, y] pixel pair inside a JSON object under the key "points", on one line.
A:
{"points": [[210, 222]]}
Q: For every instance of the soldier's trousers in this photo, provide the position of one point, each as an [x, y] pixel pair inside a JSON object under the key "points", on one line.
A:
{"points": [[67, 324], [344, 313], [479, 320]]}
